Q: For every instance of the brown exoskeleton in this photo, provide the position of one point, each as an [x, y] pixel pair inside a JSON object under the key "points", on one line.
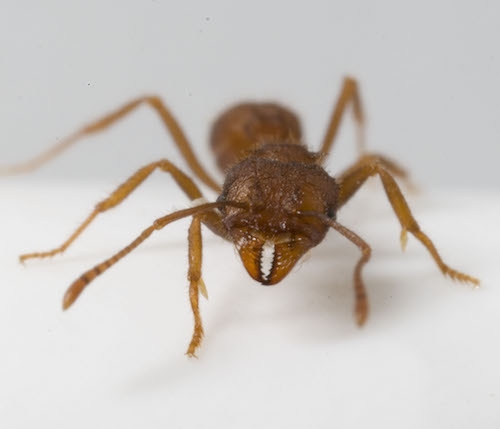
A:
{"points": [[277, 201]]}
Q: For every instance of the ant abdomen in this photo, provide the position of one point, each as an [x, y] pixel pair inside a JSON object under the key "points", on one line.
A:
{"points": [[245, 127]]}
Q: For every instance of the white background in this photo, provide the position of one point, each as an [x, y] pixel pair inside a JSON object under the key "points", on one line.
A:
{"points": [[288, 356]]}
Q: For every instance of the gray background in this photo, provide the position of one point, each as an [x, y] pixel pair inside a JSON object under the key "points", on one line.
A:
{"points": [[428, 71]]}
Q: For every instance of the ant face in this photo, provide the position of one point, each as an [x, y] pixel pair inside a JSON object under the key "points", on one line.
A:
{"points": [[276, 224]]}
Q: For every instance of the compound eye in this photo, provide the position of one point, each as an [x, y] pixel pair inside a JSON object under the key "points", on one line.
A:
{"points": [[331, 213]]}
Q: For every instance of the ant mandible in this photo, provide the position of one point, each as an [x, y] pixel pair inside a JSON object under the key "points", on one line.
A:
{"points": [[277, 201]]}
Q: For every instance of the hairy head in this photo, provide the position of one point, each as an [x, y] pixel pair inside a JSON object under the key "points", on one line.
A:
{"points": [[274, 227]]}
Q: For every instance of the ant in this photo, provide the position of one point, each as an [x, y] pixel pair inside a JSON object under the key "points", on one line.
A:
{"points": [[276, 203]]}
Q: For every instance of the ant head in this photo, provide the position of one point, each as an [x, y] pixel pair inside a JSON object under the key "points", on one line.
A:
{"points": [[275, 223]]}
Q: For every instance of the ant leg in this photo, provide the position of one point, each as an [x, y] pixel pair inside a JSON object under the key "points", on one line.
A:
{"points": [[124, 190], [196, 284], [84, 280], [351, 180], [361, 304], [106, 121], [392, 167], [348, 94]]}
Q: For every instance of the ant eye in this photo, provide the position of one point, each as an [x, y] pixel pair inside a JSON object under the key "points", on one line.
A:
{"points": [[330, 212]]}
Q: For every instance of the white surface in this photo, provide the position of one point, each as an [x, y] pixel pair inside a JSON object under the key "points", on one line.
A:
{"points": [[428, 71], [288, 356]]}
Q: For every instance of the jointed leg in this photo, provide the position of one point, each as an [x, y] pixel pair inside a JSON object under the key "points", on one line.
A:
{"points": [[83, 281], [349, 94], [101, 124], [351, 180], [389, 165], [361, 303], [196, 284], [124, 190]]}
